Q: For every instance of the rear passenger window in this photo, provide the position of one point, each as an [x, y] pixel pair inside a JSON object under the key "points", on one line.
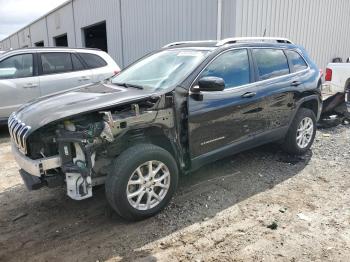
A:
{"points": [[54, 63], [271, 63], [298, 62], [77, 65], [232, 66], [92, 61]]}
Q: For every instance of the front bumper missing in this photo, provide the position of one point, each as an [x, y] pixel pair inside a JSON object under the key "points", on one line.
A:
{"points": [[35, 167]]}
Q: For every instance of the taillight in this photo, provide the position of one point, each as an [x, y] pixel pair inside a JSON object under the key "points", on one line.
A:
{"points": [[328, 76]]}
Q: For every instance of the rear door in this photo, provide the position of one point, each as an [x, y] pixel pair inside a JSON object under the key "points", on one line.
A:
{"points": [[61, 71], [276, 84], [19, 82], [223, 118]]}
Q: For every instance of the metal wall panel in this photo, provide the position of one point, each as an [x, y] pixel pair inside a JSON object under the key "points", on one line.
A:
{"points": [[38, 32], [61, 22], [228, 19], [90, 12], [318, 25], [150, 24], [5, 44], [14, 41], [24, 37]]}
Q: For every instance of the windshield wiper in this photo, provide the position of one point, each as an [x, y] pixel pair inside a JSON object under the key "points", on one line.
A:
{"points": [[129, 85]]}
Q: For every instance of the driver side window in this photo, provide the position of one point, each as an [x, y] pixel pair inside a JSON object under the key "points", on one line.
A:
{"points": [[232, 66]]}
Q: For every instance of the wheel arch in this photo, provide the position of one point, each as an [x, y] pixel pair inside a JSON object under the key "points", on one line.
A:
{"points": [[311, 102], [155, 134]]}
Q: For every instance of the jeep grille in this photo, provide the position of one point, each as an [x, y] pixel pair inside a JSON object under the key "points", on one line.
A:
{"points": [[18, 132]]}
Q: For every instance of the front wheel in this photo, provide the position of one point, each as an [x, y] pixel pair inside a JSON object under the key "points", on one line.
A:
{"points": [[301, 133], [142, 181]]}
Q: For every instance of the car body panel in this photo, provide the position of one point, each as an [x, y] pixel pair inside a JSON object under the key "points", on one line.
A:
{"points": [[223, 118], [53, 83], [16, 92]]}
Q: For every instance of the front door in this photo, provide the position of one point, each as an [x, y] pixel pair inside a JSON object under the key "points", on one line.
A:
{"points": [[18, 83], [222, 118]]}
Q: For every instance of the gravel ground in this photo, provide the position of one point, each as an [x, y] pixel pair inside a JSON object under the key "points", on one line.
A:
{"points": [[257, 205]]}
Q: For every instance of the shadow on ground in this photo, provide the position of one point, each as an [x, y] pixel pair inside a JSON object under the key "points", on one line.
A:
{"points": [[52, 226], [4, 134]]}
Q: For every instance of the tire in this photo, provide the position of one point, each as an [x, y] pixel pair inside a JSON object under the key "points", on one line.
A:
{"points": [[291, 144], [124, 179]]}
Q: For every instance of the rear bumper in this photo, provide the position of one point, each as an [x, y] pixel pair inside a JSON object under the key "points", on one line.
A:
{"points": [[35, 167]]}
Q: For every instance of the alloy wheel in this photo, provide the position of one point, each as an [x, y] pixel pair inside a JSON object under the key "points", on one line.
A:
{"points": [[148, 185], [304, 132]]}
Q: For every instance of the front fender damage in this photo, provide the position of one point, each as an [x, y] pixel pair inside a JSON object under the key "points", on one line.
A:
{"points": [[87, 144]]}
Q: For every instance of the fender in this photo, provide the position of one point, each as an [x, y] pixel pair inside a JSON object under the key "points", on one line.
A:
{"points": [[301, 101]]}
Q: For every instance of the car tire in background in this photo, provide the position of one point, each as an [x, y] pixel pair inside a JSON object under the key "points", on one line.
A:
{"points": [[142, 181], [301, 133]]}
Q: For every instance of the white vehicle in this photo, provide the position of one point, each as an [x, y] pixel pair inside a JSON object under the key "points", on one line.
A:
{"points": [[337, 79], [335, 90], [29, 73]]}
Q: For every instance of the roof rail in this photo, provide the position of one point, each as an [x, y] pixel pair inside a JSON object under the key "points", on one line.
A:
{"points": [[57, 47], [251, 39], [186, 42]]}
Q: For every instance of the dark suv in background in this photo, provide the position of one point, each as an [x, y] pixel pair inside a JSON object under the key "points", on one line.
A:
{"points": [[174, 110]]}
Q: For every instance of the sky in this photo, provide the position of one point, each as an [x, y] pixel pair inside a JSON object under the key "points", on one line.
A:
{"points": [[15, 14]]}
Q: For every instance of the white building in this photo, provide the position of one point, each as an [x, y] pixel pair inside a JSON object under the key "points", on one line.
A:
{"points": [[128, 29]]}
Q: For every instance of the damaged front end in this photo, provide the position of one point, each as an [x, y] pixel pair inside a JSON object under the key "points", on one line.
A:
{"points": [[78, 151]]}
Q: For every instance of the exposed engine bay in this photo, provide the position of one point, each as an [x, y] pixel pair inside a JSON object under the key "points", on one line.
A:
{"points": [[87, 144]]}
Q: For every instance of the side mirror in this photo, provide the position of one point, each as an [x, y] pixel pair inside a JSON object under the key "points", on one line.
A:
{"points": [[211, 83]]}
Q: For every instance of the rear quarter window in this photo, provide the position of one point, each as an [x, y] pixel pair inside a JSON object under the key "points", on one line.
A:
{"points": [[92, 60], [297, 61], [271, 63]]}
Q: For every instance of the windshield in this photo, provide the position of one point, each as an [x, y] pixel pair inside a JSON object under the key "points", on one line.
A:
{"points": [[161, 70]]}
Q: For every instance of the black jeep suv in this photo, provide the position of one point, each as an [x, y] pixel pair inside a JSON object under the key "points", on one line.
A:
{"points": [[174, 110]]}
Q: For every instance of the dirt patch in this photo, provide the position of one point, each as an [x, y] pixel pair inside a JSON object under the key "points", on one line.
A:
{"points": [[257, 205]]}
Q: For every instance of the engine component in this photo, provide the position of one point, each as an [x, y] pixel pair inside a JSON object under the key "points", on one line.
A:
{"points": [[107, 133], [121, 121], [78, 187], [77, 158]]}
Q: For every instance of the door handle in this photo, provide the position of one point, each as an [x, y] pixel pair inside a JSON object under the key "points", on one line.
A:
{"points": [[30, 85], [248, 95], [84, 78], [296, 83]]}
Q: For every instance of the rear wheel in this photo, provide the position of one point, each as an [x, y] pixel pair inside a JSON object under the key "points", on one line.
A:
{"points": [[301, 133], [141, 182]]}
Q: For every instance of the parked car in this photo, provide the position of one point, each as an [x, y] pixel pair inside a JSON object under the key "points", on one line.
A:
{"points": [[29, 73], [186, 105], [336, 88]]}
